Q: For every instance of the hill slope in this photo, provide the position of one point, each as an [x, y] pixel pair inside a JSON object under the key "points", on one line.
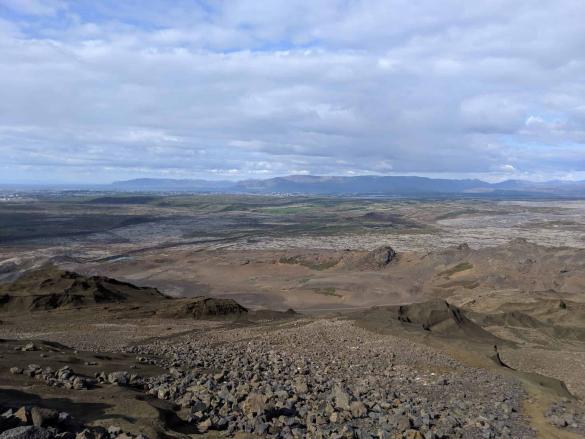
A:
{"points": [[50, 288]]}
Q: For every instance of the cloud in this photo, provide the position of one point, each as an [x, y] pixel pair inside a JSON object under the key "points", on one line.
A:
{"points": [[237, 89], [492, 114], [508, 168]]}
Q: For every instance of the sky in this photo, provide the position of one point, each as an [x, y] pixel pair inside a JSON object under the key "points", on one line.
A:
{"points": [[97, 91]]}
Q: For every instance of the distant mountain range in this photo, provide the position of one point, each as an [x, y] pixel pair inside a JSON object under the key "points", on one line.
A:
{"points": [[359, 185]]}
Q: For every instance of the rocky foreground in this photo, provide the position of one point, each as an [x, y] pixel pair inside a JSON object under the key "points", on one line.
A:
{"points": [[294, 379], [328, 378]]}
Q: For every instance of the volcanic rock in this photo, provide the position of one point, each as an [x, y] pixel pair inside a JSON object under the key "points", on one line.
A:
{"points": [[376, 259], [50, 288], [28, 432], [201, 308]]}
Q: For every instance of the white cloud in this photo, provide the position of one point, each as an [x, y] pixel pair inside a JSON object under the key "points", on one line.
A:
{"points": [[508, 168], [332, 87], [492, 113]]}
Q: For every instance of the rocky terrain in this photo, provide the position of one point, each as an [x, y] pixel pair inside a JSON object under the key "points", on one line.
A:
{"points": [[306, 378], [43, 423], [173, 317], [394, 371], [331, 379]]}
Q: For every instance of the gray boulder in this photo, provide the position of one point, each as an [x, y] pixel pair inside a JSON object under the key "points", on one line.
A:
{"points": [[42, 417], [341, 398], [29, 432], [382, 256], [120, 378]]}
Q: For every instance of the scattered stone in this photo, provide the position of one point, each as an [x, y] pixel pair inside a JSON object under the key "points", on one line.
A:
{"points": [[114, 430], [44, 423], [23, 415], [29, 347], [567, 415], [64, 377], [120, 378], [27, 432], [329, 379], [358, 409], [42, 417], [341, 398], [254, 404], [204, 426]]}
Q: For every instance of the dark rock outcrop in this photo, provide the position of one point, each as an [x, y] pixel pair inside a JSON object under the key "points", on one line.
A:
{"points": [[435, 316], [377, 259], [201, 308], [51, 288]]}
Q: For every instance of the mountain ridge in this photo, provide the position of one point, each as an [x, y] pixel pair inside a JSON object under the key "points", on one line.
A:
{"points": [[355, 185]]}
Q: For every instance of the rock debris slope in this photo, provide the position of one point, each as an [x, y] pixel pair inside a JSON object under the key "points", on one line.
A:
{"points": [[328, 378]]}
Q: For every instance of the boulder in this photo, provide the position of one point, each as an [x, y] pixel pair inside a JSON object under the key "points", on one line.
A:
{"points": [[42, 417], [204, 426], [358, 409], [382, 256], [341, 398], [120, 378], [377, 259], [29, 347], [255, 403], [23, 415], [28, 432]]}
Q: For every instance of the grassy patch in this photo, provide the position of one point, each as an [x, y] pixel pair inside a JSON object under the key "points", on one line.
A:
{"points": [[463, 266], [137, 199], [456, 213], [287, 210], [313, 265], [326, 291]]}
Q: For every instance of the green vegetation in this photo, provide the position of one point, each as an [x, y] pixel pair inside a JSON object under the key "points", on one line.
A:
{"points": [[313, 265], [463, 266], [119, 199], [287, 210], [71, 213], [456, 213], [326, 291]]}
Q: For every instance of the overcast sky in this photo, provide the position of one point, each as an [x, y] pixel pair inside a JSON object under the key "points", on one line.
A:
{"points": [[95, 91]]}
